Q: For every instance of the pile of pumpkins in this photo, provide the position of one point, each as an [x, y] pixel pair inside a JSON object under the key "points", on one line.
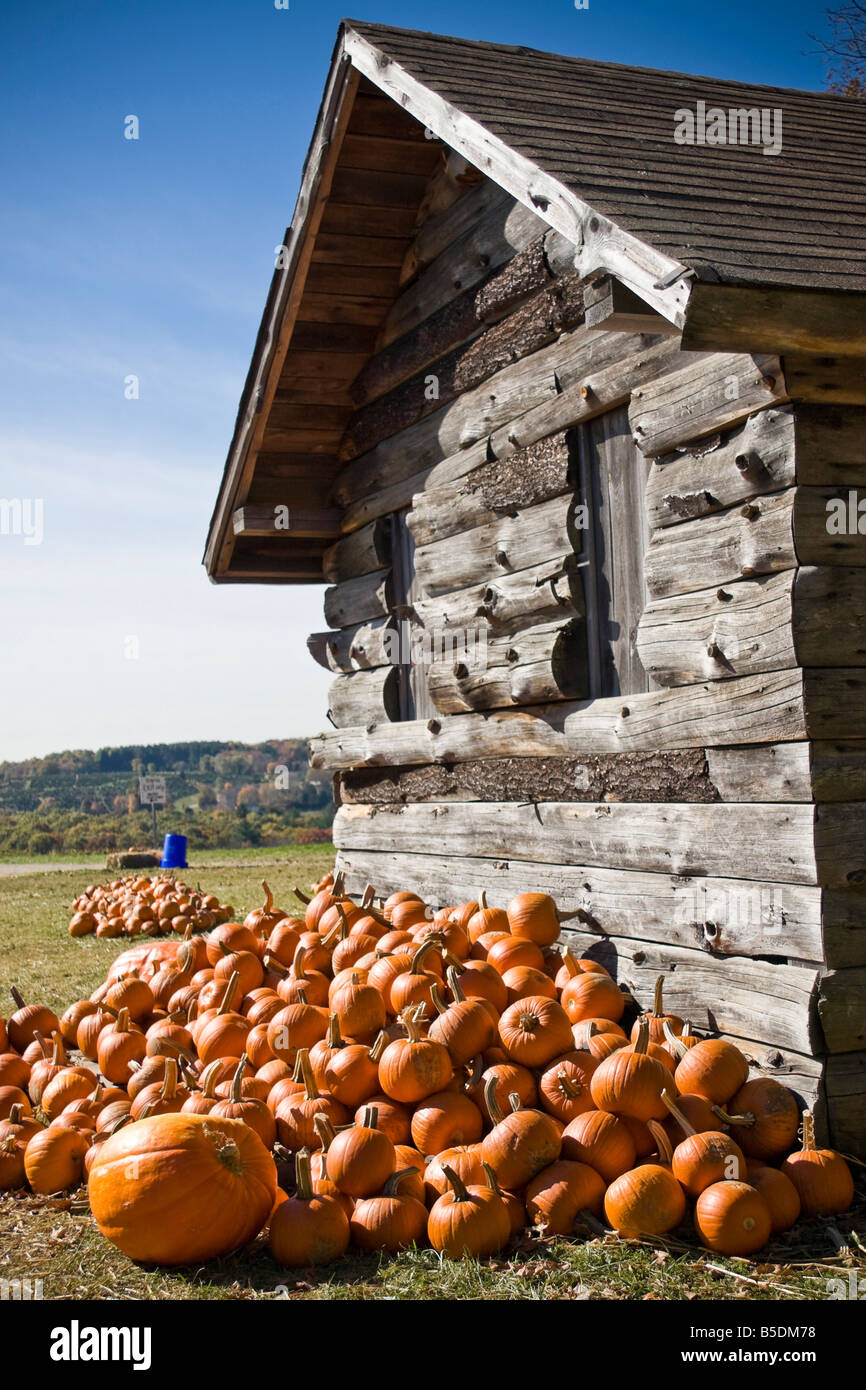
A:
{"points": [[384, 1076], [153, 906]]}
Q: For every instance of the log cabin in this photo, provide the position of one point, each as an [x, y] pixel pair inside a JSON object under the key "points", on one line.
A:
{"points": [[568, 413]]}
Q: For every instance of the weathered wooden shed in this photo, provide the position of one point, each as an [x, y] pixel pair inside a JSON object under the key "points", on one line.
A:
{"points": [[570, 416]]}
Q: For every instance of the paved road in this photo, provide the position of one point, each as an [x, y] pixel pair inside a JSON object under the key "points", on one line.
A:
{"points": [[100, 873], [13, 870]]}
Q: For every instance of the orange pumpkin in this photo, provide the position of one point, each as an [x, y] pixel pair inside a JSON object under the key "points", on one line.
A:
{"points": [[592, 995], [556, 1196], [732, 1218], [54, 1159], [535, 1030], [469, 1219], [413, 1068], [180, 1189], [629, 1082], [821, 1176], [533, 916]]}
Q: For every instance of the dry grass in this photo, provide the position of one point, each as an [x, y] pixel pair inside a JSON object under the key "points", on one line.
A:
{"points": [[56, 1241]]}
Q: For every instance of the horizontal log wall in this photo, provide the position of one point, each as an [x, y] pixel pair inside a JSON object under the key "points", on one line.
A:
{"points": [[803, 617], [510, 602], [536, 664], [778, 843], [636, 810], [364, 696], [834, 1086], [781, 772], [357, 648], [499, 526]]}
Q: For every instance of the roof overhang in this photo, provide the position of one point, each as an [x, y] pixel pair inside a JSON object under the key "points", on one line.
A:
{"points": [[285, 450]]}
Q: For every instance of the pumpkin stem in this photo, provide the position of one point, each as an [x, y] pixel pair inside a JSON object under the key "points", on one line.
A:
{"points": [[454, 985], [339, 885], [269, 899], [746, 1120], [189, 1076], [162, 1046], [208, 1079], [237, 1079], [122, 1024], [370, 1119], [339, 931], [230, 992], [482, 899], [377, 916], [808, 1130], [438, 1002], [368, 895], [687, 1128], [429, 944], [390, 1189], [494, 1109], [413, 1032], [227, 1150], [303, 1177], [666, 1152], [302, 896], [461, 1191], [515, 1102], [570, 963], [528, 1022], [587, 1031], [492, 1180], [305, 1074], [325, 1131], [378, 1046], [678, 1048], [169, 1081], [37, 1037], [641, 1042], [19, 1002], [658, 998], [14, 1116], [474, 1069], [335, 1037], [569, 1088], [302, 995], [298, 962]]}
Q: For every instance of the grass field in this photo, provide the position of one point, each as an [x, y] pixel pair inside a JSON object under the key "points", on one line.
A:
{"points": [[200, 857], [55, 1240]]}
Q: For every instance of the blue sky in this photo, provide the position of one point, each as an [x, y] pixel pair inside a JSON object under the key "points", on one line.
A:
{"points": [[153, 258]]}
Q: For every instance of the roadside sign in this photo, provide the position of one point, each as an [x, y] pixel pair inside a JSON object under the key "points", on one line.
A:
{"points": [[151, 791]]}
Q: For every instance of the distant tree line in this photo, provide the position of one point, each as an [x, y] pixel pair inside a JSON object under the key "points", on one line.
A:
{"points": [[219, 795]]}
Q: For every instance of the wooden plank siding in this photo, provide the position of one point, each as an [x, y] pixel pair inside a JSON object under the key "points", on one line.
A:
{"points": [[668, 728], [568, 476], [776, 842]]}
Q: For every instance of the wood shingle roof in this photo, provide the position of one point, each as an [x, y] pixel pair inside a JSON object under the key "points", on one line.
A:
{"points": [[606, 132]]}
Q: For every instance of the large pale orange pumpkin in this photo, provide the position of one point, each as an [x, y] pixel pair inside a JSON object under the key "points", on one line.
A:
{"points": [[177, 1189]]}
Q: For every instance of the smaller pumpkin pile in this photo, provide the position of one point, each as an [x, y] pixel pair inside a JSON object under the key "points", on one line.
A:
{"points": [[153, 906], [388, 1076]]}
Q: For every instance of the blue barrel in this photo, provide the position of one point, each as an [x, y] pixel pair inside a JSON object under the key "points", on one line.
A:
{"points": [[174, 852]]}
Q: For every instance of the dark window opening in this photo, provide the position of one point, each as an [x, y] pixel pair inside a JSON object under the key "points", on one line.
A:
{"points": [[414, 695], [612, 479]]}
